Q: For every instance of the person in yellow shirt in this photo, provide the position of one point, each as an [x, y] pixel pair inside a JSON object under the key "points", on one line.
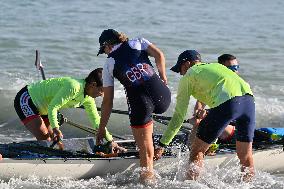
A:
{"points": [[229, 98], [37, 104], [199, 113]]}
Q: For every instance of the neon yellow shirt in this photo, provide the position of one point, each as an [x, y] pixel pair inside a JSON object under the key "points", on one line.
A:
{"points": [[53, 94], [212, 84]]}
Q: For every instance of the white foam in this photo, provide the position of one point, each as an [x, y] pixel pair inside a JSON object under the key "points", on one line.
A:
{"points": [[211, 178]]}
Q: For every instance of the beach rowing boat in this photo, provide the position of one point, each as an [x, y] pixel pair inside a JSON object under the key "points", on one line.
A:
{"points": [[77, 161], [29, 158]]}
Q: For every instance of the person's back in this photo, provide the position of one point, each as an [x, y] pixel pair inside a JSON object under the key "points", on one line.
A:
{"points": [[231, 62], [132, 66], [135, 72], [63, 88], [214, 83]]}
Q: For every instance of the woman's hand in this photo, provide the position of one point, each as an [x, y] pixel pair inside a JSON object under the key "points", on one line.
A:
{"points": [[106, 109], [158, 152], [100, 135], [164, 79], [58, 136], [200, 114], [57, 133], [115, 148]]}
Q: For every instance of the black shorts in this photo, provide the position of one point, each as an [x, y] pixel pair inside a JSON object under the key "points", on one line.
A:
{"points": [[25, 107], [241, 109], [151, 97]]}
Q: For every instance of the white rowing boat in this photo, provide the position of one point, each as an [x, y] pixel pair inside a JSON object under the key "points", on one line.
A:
{"points": [[270, 160], [74, 168], [26, 165]]}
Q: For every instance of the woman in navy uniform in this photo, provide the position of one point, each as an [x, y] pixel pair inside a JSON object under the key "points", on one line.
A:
{"points": [[146, 91]]}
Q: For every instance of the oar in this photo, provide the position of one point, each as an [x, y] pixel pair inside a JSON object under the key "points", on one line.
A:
{"points": [[39, 65], [103, 155], [88, 129], [154, 116], [112, 155]]}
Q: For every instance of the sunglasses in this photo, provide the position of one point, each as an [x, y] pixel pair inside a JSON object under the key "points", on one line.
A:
{"points": [[234, 68]]}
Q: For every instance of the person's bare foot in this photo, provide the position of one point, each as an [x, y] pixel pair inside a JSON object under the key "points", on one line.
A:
{"points": [[147, 177], [1, 158], [247, 174], [192, 175], [193, 171]]}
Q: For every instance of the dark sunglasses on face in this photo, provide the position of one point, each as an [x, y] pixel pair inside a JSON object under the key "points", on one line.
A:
{"points": [[234, 68]]}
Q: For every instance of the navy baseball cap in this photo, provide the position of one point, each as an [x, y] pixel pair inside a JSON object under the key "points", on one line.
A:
{"points": [[107, 36], [188, 55]]}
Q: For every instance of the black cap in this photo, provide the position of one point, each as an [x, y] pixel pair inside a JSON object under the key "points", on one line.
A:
{"points": [[188, 55], [107, 36]]}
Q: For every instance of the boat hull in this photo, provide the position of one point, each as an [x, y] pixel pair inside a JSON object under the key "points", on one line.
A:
{"points": [[271, 160], [29, 158], [73, 168]]}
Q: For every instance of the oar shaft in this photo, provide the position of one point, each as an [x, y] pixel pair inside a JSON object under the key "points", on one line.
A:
{"points": [[154, 116], [87, 129], [39, 65], [42, 73], [90, 130]]}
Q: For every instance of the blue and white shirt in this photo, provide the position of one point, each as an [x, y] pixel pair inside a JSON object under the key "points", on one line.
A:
{"points": [[129, 63]]}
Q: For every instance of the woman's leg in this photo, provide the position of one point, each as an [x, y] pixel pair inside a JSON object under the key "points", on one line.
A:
{"points": [[51, 133], [29, 115], [38, 128], [144, 140], [47, 124]]}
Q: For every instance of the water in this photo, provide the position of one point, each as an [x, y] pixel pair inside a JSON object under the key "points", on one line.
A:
{"points": [[66, 33], [213, 178]]}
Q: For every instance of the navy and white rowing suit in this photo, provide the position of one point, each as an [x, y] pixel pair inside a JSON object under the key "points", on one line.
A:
{"points": [[146, 93]]}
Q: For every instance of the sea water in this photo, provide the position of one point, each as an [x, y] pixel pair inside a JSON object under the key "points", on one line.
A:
{"points": [[66, 33], [212, 178]]}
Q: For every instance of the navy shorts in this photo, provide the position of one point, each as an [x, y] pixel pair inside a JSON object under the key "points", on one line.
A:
{"points": [[241, 109], [25, 107], [151, 97]]}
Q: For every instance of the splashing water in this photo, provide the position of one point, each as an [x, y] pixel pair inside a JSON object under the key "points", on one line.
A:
{"points": [[211, 178], [173, 176]]}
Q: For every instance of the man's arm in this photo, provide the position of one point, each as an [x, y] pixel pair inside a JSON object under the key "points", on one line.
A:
{"points": [[198, 114], [183, 96]]}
